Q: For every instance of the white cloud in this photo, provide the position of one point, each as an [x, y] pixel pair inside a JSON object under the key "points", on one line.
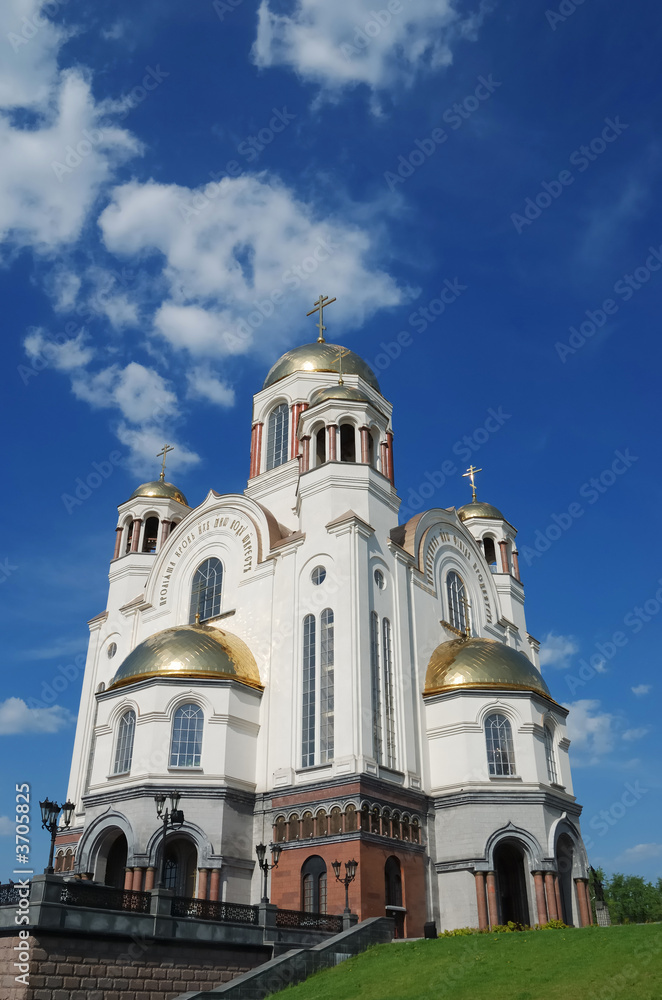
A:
{"points": [[343, 44], [635, 734], [30, 45], [641, 852], [57, 648], [557, 650], [242, 258], [204, 384], [7, 827], [146, 442], [16, 717], [641, 689], [141, 394], [63, 355], [591, 732]]}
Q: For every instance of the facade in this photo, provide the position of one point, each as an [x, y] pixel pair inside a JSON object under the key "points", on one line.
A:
{"points": [[304, 670]]}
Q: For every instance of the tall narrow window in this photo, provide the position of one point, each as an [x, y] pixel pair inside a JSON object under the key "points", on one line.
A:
{"points": [[389, 707], [277, 436], [308, 712], [549, 754], [313, 885], [490, 553], [124, 747], [320, 446], [151, 534], [499, 743], [206, 590], [458, 608], [186, 745], [377, 744], [347, 443], [326, 686]]}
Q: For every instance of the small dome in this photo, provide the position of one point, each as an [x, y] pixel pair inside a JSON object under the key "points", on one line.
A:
{"points": [[159, 488], [320, 357], [338, 392], [481, 663], [190, 651], [479, 509]]}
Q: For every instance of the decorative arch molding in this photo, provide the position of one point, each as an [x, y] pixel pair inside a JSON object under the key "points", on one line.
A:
{"points": [[188, 697], [563, 825], [195, 833], [96, 835], [118, 710], [496, 705], [526, 840]]}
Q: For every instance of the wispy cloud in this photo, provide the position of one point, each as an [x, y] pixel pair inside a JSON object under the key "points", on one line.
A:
{"points": [[16, 718], [557, 650], [630, 735], [640, 852], [641, 689], [7, 827]]}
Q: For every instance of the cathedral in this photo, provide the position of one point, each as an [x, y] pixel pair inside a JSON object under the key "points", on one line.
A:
{"points": [[305, 671]]}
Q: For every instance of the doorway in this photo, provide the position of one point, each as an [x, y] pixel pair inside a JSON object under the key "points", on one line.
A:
{"points": [[511, 883]]}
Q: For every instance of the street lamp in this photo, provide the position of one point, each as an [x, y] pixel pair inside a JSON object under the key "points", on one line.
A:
{"points": [[173, 817], [261, 851], [49, 821], [350, 875]]}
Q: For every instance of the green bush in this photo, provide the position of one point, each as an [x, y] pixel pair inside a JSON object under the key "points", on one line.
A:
{"points": [[509, 928]]}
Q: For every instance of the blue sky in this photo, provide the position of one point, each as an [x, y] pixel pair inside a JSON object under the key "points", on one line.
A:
{"points": [[177, 185]]}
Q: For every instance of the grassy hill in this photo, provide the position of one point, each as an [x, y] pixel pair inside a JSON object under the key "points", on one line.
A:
{"points": [[596, 963]]}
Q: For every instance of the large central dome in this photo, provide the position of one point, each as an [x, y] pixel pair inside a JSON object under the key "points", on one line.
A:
{"points": [[320, 357]]}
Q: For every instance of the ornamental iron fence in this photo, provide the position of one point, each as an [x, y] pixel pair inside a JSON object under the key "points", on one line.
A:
{"points": [[330, 922], [210, 909], [103, 897]]}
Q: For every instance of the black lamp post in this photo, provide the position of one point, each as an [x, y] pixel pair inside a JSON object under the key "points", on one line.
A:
{"points": [[349, 876], [173, 817], [50, 812], [261, 852]]}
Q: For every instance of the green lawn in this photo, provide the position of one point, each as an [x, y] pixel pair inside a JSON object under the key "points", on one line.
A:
{"points": [[596, 963]]}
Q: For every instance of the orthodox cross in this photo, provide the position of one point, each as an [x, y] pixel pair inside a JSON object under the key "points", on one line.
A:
{"points": [[342, 352], [322, 301], [164, 451], [471, 473]]}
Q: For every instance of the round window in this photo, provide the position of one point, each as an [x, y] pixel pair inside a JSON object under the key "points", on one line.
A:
{"points": [[379, 579], [318, 575], [112, 649]]}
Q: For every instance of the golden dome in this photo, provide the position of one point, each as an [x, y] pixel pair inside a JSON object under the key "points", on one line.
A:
{"points": [[481, 663], [320, 357], [159, 488], [478, 509], [339, 391], [190, 651]]}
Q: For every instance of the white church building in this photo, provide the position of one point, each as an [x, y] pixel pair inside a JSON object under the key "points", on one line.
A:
{"points": [[304, 670]]}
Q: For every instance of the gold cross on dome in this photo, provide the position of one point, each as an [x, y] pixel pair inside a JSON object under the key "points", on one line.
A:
{"points": [[471, 473], [342, 352], [320, 305], [164, 451]]}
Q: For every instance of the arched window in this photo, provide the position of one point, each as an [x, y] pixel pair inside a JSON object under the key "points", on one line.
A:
{"points": [[151, 534], [186, 745], [206, 590], [549, 754], [375, 825], [321, 824], [458, 607], [320, 446], [405, 828], [293, 827], [313, 885], [415, 832], [326, 686], [389, 701], [124, 746], [129, 536], [365, 818], [395, 826], [377, 746], [307, 826], [308, 709], [371, 450], [59, 861], [350, 818], [347, 443], [277, 436], [490, 553], [280, 829], [68, 865], [499, 742], [386, 823], [335, 820]]}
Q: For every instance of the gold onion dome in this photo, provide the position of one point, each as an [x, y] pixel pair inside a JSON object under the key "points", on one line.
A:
{"points": [[339, 391], [320, 357], [479, 509], [159, 488], [190, 651], [481, 663]]}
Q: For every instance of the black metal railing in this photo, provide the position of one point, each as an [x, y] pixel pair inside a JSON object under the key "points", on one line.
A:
{"points": [[102, 897], [209, 909], [10, 895], [309, 921]]}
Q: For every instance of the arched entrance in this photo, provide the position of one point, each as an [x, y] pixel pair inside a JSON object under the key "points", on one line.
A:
{"points": [[181, 862], [313, 885], [509, 866], [116, 862], [393, 895], [565, 862]]}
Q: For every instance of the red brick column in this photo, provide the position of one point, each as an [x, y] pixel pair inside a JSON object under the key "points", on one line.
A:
{"points": [[203, 875], [135, 538], [305, 453], [365, 452], [480, 899], [149, 878], [332, 432], [584, 918], [258, 448], [165, 531], [538, 881], [137, 879], [505, 568], [492, 908], [589, 908], [550, 891], [128, 878], [516, 566], [118, 542], [215, 883], [389, 451], [294, 418]]}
